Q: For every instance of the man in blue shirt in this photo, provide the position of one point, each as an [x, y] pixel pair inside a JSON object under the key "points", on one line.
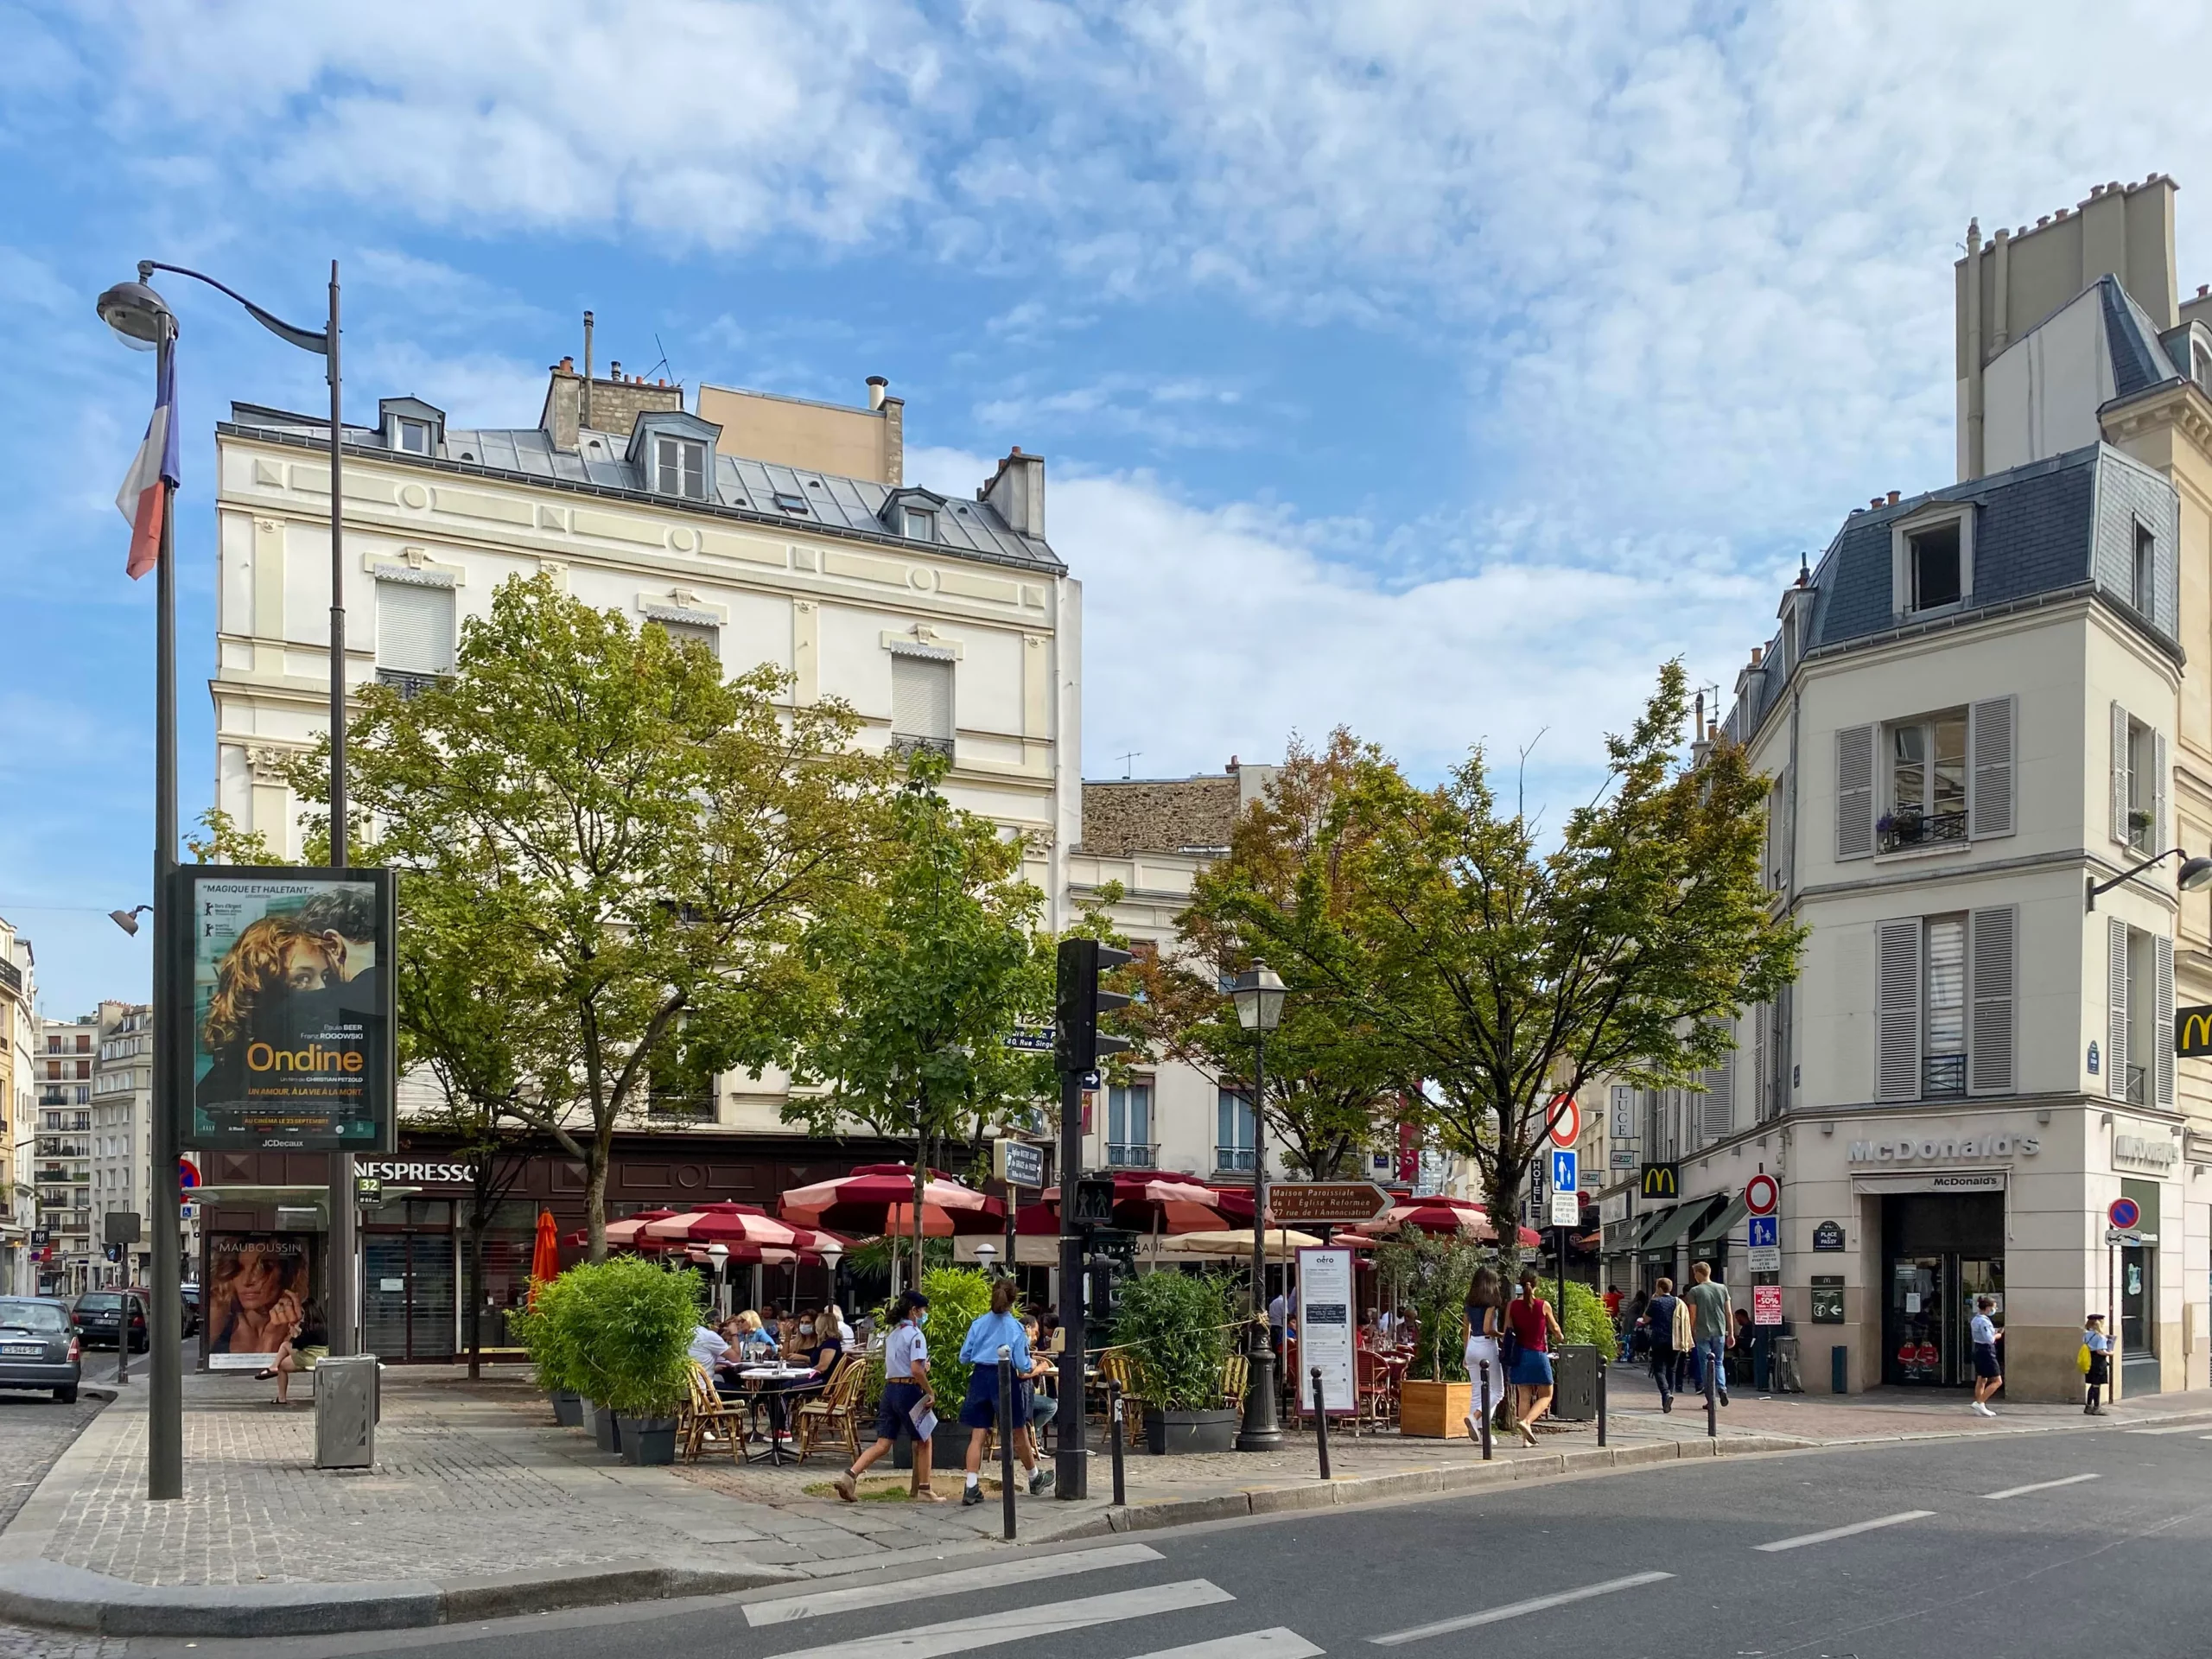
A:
{"points": [[978, 1413]]}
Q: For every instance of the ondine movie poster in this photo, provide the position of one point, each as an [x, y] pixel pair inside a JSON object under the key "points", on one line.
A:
{"points": [[291, 1009]]}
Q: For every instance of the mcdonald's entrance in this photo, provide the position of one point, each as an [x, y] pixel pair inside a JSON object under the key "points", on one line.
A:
{"points": [[1940, 1251]]}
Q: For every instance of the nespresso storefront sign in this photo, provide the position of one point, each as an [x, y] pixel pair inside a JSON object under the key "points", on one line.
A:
{"points": [[1945, 1149], [415, 1171]]}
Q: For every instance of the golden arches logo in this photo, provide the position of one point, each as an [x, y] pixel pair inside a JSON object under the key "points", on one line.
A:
{"points": [[2193, 1031], [1660, 1181]]}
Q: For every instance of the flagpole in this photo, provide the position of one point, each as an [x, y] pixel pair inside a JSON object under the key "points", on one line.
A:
{"points": [[164, 1377]]}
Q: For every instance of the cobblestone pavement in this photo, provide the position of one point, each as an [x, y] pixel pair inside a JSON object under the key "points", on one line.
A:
{"points": [[34, 1432]]}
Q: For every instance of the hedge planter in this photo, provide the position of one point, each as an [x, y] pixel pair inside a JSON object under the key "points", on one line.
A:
{"points": [[604, 1429], [1435, 1411], [1170, 1432], [567, 1408], [648, 1440]]}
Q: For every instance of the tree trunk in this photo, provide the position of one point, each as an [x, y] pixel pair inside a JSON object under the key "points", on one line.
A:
{"points": [[596, 1200], [477, 1219], [921, 1183]]}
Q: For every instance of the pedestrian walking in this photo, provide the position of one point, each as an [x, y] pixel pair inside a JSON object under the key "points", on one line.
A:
{"points": [[2096, 1363], [1988, 1375], [1483, 1328], [1635, 1340], [979, 1412], [1711, 1336], [1659, 1331], [1529, 1317], [905, 1385]]}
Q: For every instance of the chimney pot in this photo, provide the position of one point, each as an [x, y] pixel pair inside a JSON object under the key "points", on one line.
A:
{"points": [[1876, 502], [2063, 212], [2095, 190], [2112, 184], [1893, 498], [2043, 219], [1756, 652], [876, 386], [567, 366], [2202, 288], [615, 368]]}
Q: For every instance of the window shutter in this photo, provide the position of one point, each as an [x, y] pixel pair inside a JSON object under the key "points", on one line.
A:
{"points": [[1993, 959], [1788, 787], [414, 627], [704, 633], [2116, 1007], [1899, 948], [921, 696], [1762, 1073], [1854, 791], [2161, 773], [2165, 1024], [2119, 774], [1989, 748], [1720, 1105]]}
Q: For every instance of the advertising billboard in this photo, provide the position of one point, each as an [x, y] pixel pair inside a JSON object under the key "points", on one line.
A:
{"points": [[290, 1020], [257, 1291]]}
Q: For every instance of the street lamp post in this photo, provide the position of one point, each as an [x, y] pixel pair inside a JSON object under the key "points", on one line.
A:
{"points": [[718, 1252], [1258, 994], [141, 319]]}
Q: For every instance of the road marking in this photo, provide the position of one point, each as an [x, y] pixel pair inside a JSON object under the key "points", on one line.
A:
{"points": [[1020, 1623], [2196, 1429], [783, 1610], [1898, 1519], [1515, 1610], [1278, 1644], [2040, 1486]]}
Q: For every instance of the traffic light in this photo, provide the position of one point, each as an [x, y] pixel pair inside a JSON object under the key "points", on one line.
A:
{"points": [[1094, 1201], [1078, 1002]]}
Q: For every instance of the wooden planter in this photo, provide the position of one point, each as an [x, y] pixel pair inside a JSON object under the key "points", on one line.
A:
{"points": [[1434, 1410]]}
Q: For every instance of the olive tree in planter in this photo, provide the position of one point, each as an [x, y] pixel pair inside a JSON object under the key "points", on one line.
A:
{"points": [[1430, 1274], [549, 1333], [1176, 1326], [637, 1344]]}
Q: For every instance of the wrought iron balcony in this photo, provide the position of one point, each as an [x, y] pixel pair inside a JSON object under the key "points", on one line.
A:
{"points": [[1233, 1159], [680, 1108], [1131, 1155], [1899, 831], [1942, 1075], [409, 683]]}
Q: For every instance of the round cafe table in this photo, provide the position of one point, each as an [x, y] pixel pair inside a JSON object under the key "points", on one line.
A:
{"points": [[775, 1383]]}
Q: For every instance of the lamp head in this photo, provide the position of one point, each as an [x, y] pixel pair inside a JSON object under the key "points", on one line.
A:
{"points": [[2195, 873], [1258, 994], [832, 1255], [718, 1252], [128, 919], [140, 317]]}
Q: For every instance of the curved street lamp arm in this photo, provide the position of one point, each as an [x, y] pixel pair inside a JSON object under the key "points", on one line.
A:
{"points": [[2096, 886], [306, 339]]}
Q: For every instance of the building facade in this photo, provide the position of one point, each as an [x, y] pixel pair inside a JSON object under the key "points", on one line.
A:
{"points": [[62, 1162], [19, 1032], [122, 1138]]}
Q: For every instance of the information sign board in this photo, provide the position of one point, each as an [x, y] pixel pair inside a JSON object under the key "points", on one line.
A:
{"points": [[1325, 1329], [1333, 1204]]}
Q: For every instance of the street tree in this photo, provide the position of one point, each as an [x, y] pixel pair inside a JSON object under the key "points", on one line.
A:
{"points": [[1505, 974], [630, 844]]}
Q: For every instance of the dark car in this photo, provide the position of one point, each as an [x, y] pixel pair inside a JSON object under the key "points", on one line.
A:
{"points": [[39, 1346], [100, 1314], [191, 1292]]}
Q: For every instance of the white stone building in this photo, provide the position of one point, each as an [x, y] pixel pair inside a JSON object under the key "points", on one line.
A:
{"points": [[122, 1136]]}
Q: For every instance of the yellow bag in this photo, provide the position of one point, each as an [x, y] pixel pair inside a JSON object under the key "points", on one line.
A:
{"points": [[2082, 1360]]}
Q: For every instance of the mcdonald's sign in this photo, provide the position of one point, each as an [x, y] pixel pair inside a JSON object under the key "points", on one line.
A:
{"points": [[2192, 1030], [1665, 1181]]}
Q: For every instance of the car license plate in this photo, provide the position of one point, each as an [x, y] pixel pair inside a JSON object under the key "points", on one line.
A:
{"points": [[27, 1349]]}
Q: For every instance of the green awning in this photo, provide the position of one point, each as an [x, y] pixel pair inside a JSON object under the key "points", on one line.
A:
{"points": [[1724, 1223], [1670, 1227]]}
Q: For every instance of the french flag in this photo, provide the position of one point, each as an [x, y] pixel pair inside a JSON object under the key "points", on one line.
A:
{"points": [[141, 499]]}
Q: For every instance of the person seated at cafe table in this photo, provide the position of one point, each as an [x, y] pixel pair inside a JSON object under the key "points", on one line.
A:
{"points": [[1042, 1330], [979, 1412], [1371, 1333]]}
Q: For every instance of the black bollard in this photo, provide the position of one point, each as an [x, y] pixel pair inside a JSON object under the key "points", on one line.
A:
{"points": [[1114, 1408], [1485, 1418], [1711, 1403], [1320, 1422], [1006, 1437], [1601, 1399]]}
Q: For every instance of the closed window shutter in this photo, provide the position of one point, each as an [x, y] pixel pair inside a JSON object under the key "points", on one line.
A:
{"points": [[2165, 1024], [1762, 1073], [1720, 1091], [2159, 774], [1989, 747], [414, 628], [1789, 795], [2116, 1008], [1854, 791], [1898, 1077], [704, 633], [921, 698], [2119, 773], [1994, 965]]}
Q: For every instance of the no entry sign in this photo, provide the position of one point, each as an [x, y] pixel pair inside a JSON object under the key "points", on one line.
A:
{"points": [[1761, 1194], [1566, 1121]]}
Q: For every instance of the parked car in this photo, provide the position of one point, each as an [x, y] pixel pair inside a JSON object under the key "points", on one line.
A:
{"points": [[39, 1346], [100, 1315], [191, 1290]]}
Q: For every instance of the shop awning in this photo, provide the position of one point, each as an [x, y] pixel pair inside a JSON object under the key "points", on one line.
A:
{"points": [[1723, 1223], [1668, 1230], [1643, 1229]]}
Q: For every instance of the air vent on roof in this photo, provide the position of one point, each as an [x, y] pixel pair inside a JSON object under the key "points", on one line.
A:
{"points": [[790, 503]]}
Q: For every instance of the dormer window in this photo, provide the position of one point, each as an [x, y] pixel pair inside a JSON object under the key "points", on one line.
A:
{"points": [[1931, 560], [411, 426], [411, 437], [680, 468], [1936, 573], [790, 503], [918, 524], [2142, 590]]}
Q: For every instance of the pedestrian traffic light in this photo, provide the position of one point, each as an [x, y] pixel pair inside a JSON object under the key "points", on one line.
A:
{"points": [[1094, 1201], [1078, 1002]]}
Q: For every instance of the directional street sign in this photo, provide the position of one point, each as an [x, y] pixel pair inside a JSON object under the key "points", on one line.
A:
{"points": [[1566, 1169], [1035, 1038], [1018, 1163], [1332, 1203]]}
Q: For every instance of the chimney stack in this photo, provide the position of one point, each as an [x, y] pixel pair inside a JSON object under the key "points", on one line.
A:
{"points": [[585, 418], [876, 386]]}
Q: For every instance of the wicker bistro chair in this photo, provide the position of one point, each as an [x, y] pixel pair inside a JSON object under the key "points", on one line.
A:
{"points": [[834, 1411], [1377, 1390], [1120, 1365], [706, 1416], [1235, 1378]]}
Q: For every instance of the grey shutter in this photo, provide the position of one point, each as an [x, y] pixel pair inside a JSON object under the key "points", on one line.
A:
{"points": [[1989, 786], [1898, 946], [1854, 791], [1993, 962], [2119, 773], [921, 696], [414, 627], [1788, 828], [2115, 1007], [2163, 1029], [1762, 1072], [1720, 1105], [2161, 773]]}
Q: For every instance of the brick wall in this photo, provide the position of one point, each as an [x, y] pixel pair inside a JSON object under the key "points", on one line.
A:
{"points": [[1158, 815]]}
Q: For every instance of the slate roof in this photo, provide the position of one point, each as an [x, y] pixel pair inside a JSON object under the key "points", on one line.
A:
{"points": [[742, 489], [2139, 361]]}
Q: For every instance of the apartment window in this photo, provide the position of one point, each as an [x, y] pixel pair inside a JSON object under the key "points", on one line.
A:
{"points": [[1930, 779], [83, 1042], [2142, 590], [1128, 1127], [1938, 576], [680, 468], [414, 634], [919, 523], [2139, 784], [412, 437], [921, 700], [1943, 1008], [697, 633], [1927, 781], [1233, 1134], [1946, 996], [2139, 1063], [2202, 361]]}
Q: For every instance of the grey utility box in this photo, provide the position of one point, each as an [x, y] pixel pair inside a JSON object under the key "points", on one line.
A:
{"points": [[346, 1412], [1574, 1383]]}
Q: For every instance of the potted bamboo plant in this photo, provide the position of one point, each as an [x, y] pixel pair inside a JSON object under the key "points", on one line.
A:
{"points": [[638, 1345], [548, 1333], [1176, 1327], [1431, 1274]]}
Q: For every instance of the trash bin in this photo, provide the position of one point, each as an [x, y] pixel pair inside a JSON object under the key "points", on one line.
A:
{"points": [[1782, 1374], [1574, 1383], [346, 1412]]}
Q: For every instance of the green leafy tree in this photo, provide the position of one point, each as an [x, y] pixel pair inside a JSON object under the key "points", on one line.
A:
{"points": [[1505, 975], [627, 846]]}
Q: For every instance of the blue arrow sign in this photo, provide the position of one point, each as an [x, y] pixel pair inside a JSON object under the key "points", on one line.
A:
{"points": [[1565, 1174], [1765, 1230]]}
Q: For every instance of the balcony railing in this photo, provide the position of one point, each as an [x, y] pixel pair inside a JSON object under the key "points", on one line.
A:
{"points": [[11, 977], [906, 743], [1233, 1159], [2139, 1085], [680, 1108], [1942, 1075], [1131, 1155], [1902, 830], [406, 682]]}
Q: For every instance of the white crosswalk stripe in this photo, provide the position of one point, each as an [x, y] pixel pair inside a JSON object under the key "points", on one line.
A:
{"points": [[812, 1604], [1516, 1609], [1020, 1623], [1833, 1533], [2040, 1486], [1278, 1644]]}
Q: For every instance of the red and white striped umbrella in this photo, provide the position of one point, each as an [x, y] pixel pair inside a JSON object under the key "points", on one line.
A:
{"points": [[1443, 1215], [879, 1199], [734, 1224], [1145, 1201], [620, 1235]]}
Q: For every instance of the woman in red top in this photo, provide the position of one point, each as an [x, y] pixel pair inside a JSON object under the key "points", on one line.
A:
{"points": [[1533, 1322]]}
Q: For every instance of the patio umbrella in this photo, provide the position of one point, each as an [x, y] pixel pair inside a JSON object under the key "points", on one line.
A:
{"points": [[544, 1254], [734, 1224], [1147, 1201], [1442, 1215], [1236, 1243], [620, 1235], [879, 1199]]}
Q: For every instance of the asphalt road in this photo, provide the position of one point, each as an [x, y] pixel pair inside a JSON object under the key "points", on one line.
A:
{"points": [[2046, 1545]]}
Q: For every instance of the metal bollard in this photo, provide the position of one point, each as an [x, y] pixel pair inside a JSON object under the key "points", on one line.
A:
{"points": [[1006, 1437], [1712, 1401], [1114, 1406], [1601, 1399], [1320, 1422], [1485, 1418]]}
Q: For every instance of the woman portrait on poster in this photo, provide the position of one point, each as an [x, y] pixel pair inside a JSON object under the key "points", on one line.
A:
{"points": [[272, 961], [258, 1297]]}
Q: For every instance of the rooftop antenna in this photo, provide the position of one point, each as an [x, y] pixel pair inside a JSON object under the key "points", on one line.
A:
{"points": [[658, 367], [1125, 759]]}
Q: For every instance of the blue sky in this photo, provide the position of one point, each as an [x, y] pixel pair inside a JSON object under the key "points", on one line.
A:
{"points": [[1437, 368]]}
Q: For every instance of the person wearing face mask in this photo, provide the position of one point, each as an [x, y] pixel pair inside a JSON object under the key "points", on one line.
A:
{"points": [[905, 1385]]}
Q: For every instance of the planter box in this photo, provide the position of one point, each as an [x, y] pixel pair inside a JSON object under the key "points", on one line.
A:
{"points": [[1170, 1432], [1435, 1411], [648, 1440], [568, 1409], [604, 1429]]}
